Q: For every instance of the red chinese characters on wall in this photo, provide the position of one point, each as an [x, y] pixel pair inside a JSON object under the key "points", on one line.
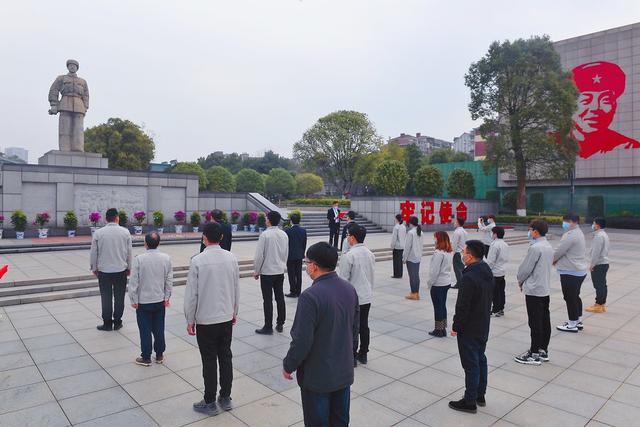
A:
{"points": [[407, 209], [430, 210]]}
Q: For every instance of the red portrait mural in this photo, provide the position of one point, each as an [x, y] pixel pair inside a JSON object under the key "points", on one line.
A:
{"points": [[600, 85]]}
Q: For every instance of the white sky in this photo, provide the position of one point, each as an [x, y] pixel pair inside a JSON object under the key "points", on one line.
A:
{"points": [[251, 75]]}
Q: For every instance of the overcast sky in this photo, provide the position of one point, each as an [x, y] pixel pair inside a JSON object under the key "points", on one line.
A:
{"points": [[252, 75]]}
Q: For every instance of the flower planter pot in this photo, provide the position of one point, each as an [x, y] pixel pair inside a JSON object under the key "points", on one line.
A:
{"points": [[246, 228], [252, 227], [260, 230], [19, 235], [160, 230], [196, 229], [71, 233], [93, 230], [137, 229], [43, 233], [178, 228], [234, 227]]}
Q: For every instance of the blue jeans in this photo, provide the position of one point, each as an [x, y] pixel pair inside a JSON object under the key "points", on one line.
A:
{"points": [[474, 363], [439, 300], [151, 322], [326, 409], [413, 268]]}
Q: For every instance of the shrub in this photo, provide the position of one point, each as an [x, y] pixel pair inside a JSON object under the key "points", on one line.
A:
{"points": [[70, 220], [461, 184], [249, 181], [509, 200], [221, 180], [253, 217], [246, 219], [308, 183], [224, 219], [158, 218], [428, 181], [1, 221], [391, 177], [235, 215], [319, 201], [536, 202], [195, 219], [94, 218], [123, 219], [595, 206], [139, 216], [180, 216], [262, 220], [19, 220], [629, 223], [492, 196], [555, 220], [42, 219]]}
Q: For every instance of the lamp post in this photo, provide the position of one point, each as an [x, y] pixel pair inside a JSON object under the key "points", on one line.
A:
{"points": [[572, 187]]}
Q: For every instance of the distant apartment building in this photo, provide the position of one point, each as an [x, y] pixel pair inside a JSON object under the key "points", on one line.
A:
{"points": [[479, 147], [465, 143], [426, 144], [17, 152]]}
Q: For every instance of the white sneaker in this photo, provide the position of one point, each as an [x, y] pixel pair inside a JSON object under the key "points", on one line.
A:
{"points": [[566, 328]]}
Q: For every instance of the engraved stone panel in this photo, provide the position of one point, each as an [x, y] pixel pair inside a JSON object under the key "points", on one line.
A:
{"points": [[38, 198], [173, 200], [89, 198]]}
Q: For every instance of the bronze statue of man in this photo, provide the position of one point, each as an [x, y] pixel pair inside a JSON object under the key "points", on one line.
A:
{"points": [[72, 107]]}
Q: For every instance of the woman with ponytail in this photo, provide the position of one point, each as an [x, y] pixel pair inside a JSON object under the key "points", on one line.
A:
{"points": [[439, 281], [412, 255]]}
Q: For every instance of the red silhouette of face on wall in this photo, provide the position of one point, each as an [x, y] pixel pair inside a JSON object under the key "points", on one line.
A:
{"points": [[600, 85]]}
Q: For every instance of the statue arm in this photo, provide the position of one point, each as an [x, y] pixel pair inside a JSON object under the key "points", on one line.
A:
{"points": [[85, 97], [54, 91]]}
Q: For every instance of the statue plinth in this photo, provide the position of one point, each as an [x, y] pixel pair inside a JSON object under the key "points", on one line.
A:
{"points": [[77, 159]]}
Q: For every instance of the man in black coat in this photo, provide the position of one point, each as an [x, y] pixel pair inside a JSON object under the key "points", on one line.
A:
{"points": [[471, 325], [297, 246], [322, 339], [225, 243], [333, 216]]}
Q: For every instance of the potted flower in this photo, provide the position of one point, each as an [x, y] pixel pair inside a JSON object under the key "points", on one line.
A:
{"points": [[1, 225], [19, 222], [94, 219], [195, 221], [235, 216], [179, 217], [70, 223], [123, 219], [42, 219], [158, 221], [139, 217], [246, 220], [262, 222], [253, 217], [208, 217]]}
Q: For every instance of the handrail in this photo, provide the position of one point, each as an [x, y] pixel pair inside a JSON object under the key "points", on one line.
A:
{"points": [[265, 204]]}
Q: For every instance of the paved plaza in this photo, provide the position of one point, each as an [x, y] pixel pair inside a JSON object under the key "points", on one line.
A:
{"points": [[56, 369]]}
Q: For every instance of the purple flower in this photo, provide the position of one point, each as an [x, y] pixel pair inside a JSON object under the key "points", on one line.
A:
{"points": [[208, 216], [42, 219], [253, 216], [94, 217], [180, 216], [139, 216]]}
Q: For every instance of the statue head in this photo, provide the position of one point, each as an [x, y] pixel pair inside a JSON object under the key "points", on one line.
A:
{"points": [[72, 65]]}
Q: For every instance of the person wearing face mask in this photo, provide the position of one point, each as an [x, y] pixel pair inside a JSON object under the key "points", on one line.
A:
{"points": [[322, 338], [439, 281], [497, 260], [458, 240], [398, 239], [486, 229], [599, 265], [570, 260], [412, 255], [357, 267], [534, 279]]}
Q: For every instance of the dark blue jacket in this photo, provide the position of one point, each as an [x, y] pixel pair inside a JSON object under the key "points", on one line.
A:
{"points": [[225, 243], [473, 306], [297, 242], [326, 322]]}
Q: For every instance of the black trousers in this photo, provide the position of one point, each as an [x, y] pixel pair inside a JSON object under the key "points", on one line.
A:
{"points": [[599, 279], [539, 322], [397, 262], [271, 286], [571, 291], [486, 251], [364, 331], [214, 343], [334, 234], [113, 286], [498, 294], [294, 271], [474, 363], [458, 266]]}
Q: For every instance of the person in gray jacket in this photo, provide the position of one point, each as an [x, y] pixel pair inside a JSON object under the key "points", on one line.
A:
{"points": [[398, 238], [570, 260], [412, 255], [439, 281], [534, 279], [211, 301], [150, 287], [599, 265], [497, 260], [458, 240]]}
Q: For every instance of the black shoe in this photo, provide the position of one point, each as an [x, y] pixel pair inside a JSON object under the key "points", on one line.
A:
{"points": [[434, 333], [396, 277], [279, 328], [117, 326], [463, 406], [104, 327], [210, 409], [292, 295], [362, 358], [225, 403], [264, 331], [480, 401], [355, 362]]}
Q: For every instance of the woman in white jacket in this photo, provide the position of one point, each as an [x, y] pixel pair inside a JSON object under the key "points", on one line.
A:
{"points": [[412, 255], [439, 281], [398, 240]]}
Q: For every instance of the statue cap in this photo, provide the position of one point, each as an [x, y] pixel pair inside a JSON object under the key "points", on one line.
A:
{"points": [[73, 61]]}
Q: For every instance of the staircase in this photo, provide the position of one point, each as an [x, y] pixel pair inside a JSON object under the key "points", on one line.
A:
{"points": [[30, 291], [316, 224]]}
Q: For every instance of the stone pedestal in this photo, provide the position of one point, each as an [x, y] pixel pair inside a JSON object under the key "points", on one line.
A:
{"points": [[74, 158]]}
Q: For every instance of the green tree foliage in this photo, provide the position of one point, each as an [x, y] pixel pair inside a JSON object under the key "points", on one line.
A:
{"points": [[192, 167], [221, 180], [366, 166], [391, 178], [280, 183], [509, 200], [123, 142], [526, 100], [413, 158], [447, 155], [460, 184], [334, 145], [308, 183], [249, 181], [428, 181], [234, 162]]}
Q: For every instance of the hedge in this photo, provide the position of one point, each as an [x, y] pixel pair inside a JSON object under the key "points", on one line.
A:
{"points": [[318, 201], [556, 220], [625, 222]]}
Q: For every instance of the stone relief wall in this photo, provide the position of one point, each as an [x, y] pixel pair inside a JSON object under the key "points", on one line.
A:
{"points": [[89, 198]]}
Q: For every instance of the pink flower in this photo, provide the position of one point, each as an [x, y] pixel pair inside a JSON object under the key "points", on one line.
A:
{"points": [[180, 216]]}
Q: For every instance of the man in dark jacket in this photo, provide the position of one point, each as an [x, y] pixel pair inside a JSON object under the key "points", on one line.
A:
{"points": [[322, 339], [333, 216], [225, 243], [297, 246], [471, 325]]}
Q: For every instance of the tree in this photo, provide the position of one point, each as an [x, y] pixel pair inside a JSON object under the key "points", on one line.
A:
{"points": [[280, 183], [366, 166], [461, 184], [428, 181], [412, 161], [447, 155], [391, 178], [192, 167], [249, 181], [221, 180], [526, 101], [308, 183], [335, 143], [123, 142]]}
